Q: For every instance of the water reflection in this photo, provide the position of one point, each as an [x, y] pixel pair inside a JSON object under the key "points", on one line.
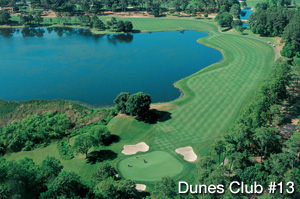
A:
{"points": [[64, 31]]}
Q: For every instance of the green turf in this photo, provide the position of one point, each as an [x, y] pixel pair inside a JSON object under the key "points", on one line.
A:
{"points": [[158, 164], [252, 3], [212, 99]]}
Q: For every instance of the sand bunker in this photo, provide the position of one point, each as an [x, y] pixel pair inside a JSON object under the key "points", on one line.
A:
{"points": [[140, 187], [133, 149], [188, 153]]}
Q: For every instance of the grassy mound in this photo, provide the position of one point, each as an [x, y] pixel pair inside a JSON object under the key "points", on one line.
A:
{"points": [[158, 164]]}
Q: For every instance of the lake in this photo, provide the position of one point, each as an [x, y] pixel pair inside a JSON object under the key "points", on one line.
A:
{"points": [[74, 64]]}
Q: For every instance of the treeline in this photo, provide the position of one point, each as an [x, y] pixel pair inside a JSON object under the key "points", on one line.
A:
{"points": [[34, 131], [253, 149], [98, 6], [25, 179], [272, 20]]}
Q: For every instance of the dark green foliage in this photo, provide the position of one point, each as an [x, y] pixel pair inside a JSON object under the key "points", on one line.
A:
{"points": [[235, 10], [270, 22], [26, 19], [138, 104], [4, 17], [120, 101], [291, 35], [109, 188], [98, 24], [100, 133], [64, 149], [268, 139], [120, 26], [35, 131], [103, 172], [252, 174], [236, 23], [21, 179], [128, 26], [66, 185], [83, 143], [239, 29], [165, 188], [49, 170], [224, 19]]}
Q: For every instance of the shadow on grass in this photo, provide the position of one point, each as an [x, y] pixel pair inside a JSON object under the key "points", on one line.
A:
{"points": [[112, 139], [155, 116], [100, 156]]}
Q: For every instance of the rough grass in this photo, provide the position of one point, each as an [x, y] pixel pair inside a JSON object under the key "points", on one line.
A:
{"points": [[212, 99]]}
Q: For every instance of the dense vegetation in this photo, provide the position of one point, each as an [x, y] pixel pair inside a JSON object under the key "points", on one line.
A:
{"points": [[273, 20], [137, 104], [254, 148], [25, 179], [98, 6], [34, 131]]}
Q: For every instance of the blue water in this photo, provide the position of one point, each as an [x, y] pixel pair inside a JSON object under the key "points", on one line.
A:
{"points": [[245, 14], [74, 64]]}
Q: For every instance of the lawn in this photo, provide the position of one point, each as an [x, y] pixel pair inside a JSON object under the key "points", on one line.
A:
{"points": [[157, 164], [213, 98]]}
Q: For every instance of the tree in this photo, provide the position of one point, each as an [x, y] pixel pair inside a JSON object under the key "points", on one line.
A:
{"points": [[235, 10], [103, 172], [98, 24], [236, 23], [49, 169], [58, 16], [4, 17], [83, 143], [38, 19], [239, 29], [267, 139], [66, 185], [278, 164], [120, 26], [224, 19], [138, 104], [120, 101], [100, 133], [164, 188], [128, 26], [86, 20], [293, 144]]}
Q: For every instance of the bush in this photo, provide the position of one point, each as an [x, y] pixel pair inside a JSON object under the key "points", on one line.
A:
{"points": [[64, 150]]}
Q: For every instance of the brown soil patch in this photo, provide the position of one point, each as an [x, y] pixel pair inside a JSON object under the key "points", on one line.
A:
{"points": [[48, 13], [280, 44], [129, 14]]}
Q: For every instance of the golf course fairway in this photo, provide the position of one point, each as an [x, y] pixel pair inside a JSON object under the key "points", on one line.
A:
{"points": [[157, 164], [212, 101]]}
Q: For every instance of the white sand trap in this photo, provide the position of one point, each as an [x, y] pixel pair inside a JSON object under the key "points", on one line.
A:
{"points": [[140, 187], [133, 149], [188, 153]]}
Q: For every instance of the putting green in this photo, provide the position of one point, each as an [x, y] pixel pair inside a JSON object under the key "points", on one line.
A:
{"points": [[159, 164]]}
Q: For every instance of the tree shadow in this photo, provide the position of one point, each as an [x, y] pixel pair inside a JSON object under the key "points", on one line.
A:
{"points": [[154, 116], [100, 156], [112, 139]]}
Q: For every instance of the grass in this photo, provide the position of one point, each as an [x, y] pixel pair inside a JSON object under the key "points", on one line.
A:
{"points": [[158, 164], [213, 98]]}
